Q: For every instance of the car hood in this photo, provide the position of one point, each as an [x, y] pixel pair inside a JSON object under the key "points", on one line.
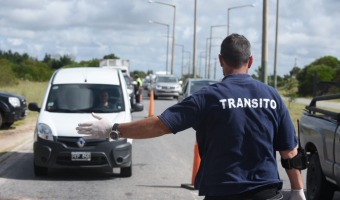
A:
{"points": [[7, 94], [64, 124]]}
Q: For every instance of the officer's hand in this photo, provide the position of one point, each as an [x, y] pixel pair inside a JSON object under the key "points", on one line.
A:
{"points": [[297, 195], [95, 129]]}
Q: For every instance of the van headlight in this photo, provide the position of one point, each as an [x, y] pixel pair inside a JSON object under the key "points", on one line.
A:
{"points": [[44, 132], [14, 101]]}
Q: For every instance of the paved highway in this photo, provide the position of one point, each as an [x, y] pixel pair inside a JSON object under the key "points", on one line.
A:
{"points": [[160, 167]]}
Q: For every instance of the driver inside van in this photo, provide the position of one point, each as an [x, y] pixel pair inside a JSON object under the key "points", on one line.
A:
{"points": [[104, 100]]}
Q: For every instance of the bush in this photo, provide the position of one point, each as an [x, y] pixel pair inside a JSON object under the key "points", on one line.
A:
{"points": [[7, 76]]}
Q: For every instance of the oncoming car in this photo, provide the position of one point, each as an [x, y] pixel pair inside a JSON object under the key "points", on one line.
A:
{"points": [[165, 86], [71, 96]]}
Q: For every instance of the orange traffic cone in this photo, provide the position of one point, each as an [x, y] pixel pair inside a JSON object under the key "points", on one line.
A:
{"points": [[151, 104], [197, 161], [196, 164]]}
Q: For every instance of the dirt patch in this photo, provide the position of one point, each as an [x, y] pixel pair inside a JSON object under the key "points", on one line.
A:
{"points": [[17, 133]]}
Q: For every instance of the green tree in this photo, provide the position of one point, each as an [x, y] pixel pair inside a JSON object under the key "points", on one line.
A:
{"points": [[141, 74], [290, 89], [295, 71], [7, 76], [90, 63], [60, 62], [325, 68], [110, 56], [32, 70]]}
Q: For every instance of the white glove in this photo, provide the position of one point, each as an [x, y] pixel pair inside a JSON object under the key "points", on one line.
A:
{"points": [[298, 194], [95, 129]]}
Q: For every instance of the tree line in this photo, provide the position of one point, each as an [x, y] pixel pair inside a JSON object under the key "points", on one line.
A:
{"points": [[15, 66]]}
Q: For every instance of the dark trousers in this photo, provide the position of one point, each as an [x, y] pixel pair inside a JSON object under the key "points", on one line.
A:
{"points": [[258, 194], [137, 97]]}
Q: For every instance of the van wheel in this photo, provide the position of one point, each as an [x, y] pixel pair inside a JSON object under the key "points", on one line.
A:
{"points": [[126, 171], [40, 171], [317, 185]]}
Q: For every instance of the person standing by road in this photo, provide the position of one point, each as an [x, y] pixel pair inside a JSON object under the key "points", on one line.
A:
{"points": [[138, 88], [240, 123]]}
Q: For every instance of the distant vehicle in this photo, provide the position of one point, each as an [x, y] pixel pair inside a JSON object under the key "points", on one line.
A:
{"points": [[72, 95], [124, 66], [13, 107], [165, 86], [193, 85], [146, 83]]}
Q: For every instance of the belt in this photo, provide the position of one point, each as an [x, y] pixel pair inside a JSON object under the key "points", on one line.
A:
{"points": [[264, 193]]}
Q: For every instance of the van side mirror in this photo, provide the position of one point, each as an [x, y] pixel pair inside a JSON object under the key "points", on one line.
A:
{"points": [[33, 107], [137, 107]]}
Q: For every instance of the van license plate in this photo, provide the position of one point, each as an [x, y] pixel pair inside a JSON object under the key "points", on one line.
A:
{"points": [[81, 156]]}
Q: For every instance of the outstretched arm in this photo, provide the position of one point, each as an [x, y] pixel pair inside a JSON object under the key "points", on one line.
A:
{"points": [[145, 128]]}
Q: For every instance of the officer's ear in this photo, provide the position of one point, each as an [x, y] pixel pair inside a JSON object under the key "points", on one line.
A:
{"points": [[250, 61], [221, 60]]}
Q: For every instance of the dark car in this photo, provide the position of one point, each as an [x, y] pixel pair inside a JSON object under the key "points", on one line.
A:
{"points": [[13, 107], [193, 85]]}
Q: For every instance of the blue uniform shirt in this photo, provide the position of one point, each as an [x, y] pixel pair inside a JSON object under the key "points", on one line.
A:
{"points": [[240, 123]]}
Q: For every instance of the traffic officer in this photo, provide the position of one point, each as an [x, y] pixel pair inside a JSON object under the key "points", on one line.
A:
{"points": [[138, 88], [240, 123]]}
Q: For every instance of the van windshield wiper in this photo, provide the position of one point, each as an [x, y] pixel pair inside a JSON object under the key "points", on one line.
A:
{"points": [[71, 111]]}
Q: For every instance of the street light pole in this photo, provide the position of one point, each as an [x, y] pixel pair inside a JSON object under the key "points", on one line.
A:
{"points": [[194, 46], [264, 56], [242, 6], [182, 57], [211, 29], [167, 43], [200, 63], [173, 33], [189, 53], [206, 59], [275, 54]]}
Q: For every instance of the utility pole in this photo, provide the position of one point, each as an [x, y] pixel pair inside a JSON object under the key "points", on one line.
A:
{"points": [[195, 43], [276, 33], [264, 60]]}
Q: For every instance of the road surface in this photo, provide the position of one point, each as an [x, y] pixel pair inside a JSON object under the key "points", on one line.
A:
{"points": [[160, 167]]}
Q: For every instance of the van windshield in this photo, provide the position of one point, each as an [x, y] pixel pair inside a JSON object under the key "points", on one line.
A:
{"points": [[85, 98]]}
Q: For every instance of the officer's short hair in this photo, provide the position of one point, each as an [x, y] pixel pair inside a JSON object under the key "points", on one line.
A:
{"points": [[235, 50]]}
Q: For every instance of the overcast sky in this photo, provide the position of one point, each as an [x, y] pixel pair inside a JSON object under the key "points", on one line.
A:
{"points": [[87, 29]]}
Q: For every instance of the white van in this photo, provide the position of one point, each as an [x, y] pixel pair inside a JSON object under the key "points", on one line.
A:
{"points": [[72, 95]]}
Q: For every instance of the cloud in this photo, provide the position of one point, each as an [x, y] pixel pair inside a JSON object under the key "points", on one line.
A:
{"points": [[91, 29]]}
